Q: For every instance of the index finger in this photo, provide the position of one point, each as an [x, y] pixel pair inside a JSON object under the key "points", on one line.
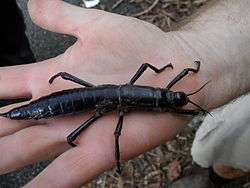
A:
{"points": [[13, 82]]}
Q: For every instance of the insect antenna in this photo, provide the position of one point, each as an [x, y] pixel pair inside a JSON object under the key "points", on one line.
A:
{"points": [[203, 110], [199, 88]]}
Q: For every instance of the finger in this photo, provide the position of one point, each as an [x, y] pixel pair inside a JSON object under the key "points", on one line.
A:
{"points": [[23, 81], [36, 84], [95, 153], [37, 142], [30, 145], [61, 17], [9, 127], [13, 82]]}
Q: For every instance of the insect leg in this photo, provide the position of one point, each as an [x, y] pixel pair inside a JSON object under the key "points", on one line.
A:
{"points": [[67, 76], [143, 67], [183, 74], [117, 134], [71, 138]]}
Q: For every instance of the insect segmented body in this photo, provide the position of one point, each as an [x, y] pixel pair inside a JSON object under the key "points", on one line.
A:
{"points": [[105, 98]]}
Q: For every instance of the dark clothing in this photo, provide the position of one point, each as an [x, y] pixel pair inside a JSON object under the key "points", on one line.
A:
{"points": [[14, 45]]}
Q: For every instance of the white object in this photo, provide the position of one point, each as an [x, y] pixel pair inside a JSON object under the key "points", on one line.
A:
{"points": [[225, 138], [91, 3]]}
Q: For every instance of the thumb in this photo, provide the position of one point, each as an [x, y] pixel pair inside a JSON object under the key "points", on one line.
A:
{"points": [[61, 17]]}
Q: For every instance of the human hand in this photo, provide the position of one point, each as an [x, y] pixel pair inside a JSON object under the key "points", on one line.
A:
{"points": [[110, 48]]}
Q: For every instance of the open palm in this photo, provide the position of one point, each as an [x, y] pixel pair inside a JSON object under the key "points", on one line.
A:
{"points": [[110, 48]]}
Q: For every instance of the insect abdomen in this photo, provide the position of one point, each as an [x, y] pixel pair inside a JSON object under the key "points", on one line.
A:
{"points": [[63, 102]]}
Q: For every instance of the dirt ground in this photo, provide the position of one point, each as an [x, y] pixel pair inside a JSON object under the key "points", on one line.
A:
{"points": [[156, 168]]}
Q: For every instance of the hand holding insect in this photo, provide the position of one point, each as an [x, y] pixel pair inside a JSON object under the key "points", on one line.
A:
{"points": [[109, 49]]}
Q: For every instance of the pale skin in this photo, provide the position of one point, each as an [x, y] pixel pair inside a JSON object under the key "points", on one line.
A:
{"points": [[110, 48]]}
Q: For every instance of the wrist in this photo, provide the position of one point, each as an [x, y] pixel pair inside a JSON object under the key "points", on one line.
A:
{"points": [[222, 47], [227, 71]]}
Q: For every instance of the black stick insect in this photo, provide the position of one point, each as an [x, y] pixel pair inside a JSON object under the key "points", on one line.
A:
{"points": [[105, 98]]}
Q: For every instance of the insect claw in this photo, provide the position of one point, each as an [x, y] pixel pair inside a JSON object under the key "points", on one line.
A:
{"points": [[52, 79], [70, 142], [169, 65]]}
